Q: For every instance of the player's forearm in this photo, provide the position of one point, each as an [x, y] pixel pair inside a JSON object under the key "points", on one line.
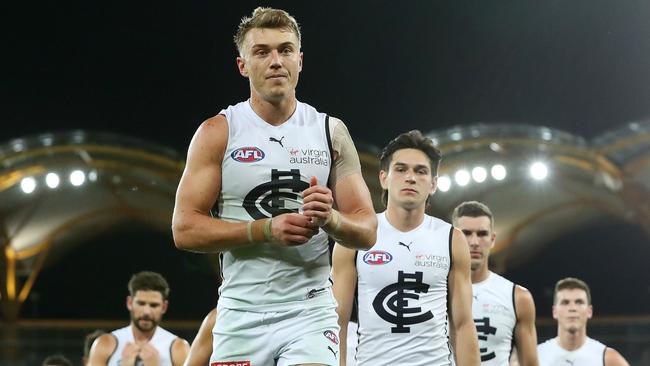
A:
{"points": [[466, 345], [356, 230], [197, 232]]}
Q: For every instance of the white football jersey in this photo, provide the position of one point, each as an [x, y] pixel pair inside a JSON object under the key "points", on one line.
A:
{"points": [[402, 299], [493, 310], [592, 353], [265, 168], [162, 340]]}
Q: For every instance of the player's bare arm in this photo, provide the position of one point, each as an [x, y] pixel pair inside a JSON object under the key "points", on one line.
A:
{"points": [[463, 334], [192, 225], [101, 350], [613, 358], [525, 332], [201, 349], [353, 223], [344, 276], [180, 350]]}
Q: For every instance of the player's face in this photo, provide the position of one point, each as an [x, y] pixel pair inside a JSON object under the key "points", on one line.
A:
{"points": [[571, 309], [147, 309], [271, 61], [408, 180], [480, 237]]}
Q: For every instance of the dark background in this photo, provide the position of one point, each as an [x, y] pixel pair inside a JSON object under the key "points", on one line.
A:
{"points": [[155, 70]]}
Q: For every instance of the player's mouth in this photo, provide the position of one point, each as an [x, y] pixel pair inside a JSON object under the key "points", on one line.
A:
{"points": [[475, 254], [409, 190], [276, 76]]}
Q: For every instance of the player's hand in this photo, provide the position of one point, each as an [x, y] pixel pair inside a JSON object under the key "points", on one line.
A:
{"points": [[149, 355], [292, 229], [129, 354], [317, 203]]}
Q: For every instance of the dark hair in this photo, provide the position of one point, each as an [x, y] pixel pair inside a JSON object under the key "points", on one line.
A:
{"points": [[409, 140], [571, 283], [149, 281], [472, 209], [57, 360], [265, 18]]}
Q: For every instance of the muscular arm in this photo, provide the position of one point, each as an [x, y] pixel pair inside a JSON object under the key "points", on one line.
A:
{"points": [[344, 275], [180, 350], [613, 358], [463, 333], [525, 333], [101, 350], [201, 349], [192, 225], [354, 225]]}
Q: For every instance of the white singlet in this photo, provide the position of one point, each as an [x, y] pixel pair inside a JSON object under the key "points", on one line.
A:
{"points": [[493, 310], [592, 353], [402, 283], [162, 340]]}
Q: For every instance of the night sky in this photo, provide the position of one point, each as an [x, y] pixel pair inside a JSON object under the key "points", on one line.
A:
{"points": [[156, 70]]}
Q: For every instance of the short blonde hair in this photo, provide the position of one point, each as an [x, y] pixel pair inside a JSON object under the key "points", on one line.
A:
{"points": [[265, 18]]}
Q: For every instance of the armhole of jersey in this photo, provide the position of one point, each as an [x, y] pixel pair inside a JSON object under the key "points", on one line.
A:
{"points": [[328, 135], [451, 253], [604, 352], [117, 343], [220, 270], [171, 346], [451, 263], [514, 302]]}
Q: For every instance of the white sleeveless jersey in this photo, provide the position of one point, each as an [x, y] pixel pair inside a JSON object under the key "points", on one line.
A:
{"points": [[402, 291], [162, 340], [493, 310], [264, 171], [592, 353]]}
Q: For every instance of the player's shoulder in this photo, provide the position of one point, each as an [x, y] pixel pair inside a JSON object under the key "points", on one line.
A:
{"points": [[614, 358], [547, 345], [105, 344]]}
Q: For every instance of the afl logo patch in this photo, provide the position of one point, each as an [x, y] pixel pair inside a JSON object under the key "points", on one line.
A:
{"points": [[331, 336], [247, 154], [377, 257]]}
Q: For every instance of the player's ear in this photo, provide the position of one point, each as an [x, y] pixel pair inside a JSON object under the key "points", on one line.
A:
{"points": [[383, 177], [165, 304], [129, 303], [241, 66]]}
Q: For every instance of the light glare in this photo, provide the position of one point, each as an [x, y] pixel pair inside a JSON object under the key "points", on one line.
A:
{"points": [[444, 183], [28, 185], [538, 170], [77, 178], [52, 180], [462, 177], [479, 174], [498, 172]]}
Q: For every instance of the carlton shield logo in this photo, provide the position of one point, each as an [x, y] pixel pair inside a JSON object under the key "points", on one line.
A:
{"points": [[377, 257], [247, 154]]}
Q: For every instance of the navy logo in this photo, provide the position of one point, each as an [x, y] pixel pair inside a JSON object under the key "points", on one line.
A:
{"points": [[377, 257], [276, 197], [392, 302], [248, 154]]}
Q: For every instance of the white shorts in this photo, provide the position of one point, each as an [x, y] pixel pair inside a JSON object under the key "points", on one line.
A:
{"points": [[293, 337]]}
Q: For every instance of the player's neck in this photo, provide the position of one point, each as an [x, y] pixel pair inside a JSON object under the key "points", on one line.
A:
{"points": [[480, 274], [404, 219], [140, 336], [271, 112], [571, 340]]}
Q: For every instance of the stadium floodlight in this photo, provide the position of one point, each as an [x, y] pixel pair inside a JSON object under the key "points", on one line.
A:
{"points": [[479, 174], [444, 183], [538, 170], [52, 180], [77, 178], [28, 184], [498, 172], [462, 177]]}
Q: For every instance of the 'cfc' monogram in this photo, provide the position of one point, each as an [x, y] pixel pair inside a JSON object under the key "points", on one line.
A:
{"points": [[484, 329], [392, 309], [271, 195]]}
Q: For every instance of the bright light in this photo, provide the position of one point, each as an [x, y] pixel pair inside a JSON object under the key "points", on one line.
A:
{"points": [[92, 175], [52, 180], [538, 170], [444, 183], [479, 174], [498, 172], [77, 178], [462, 177], [28, 184]]}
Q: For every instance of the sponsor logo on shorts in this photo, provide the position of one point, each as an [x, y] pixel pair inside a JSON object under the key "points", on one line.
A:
{"points": [[377, 257], [231, 363], [331, 336], [248, 154]]}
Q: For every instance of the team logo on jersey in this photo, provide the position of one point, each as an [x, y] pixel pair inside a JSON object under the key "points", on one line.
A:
{"points": [[281, 195], [377, 257], [231, 363], [331, 336], [484, 330], [248, 154], [299, 155], [392, 302]]}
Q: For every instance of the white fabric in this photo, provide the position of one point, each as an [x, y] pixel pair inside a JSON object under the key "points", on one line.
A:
{"points": [[162, 340], [591, 353]]}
